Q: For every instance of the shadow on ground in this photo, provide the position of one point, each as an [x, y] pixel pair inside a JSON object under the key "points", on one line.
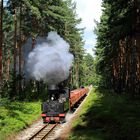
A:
{"points": [[109, 117]]}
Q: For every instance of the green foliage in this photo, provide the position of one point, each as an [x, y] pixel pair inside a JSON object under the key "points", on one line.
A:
{"points": [[15, 116], [35, 18], [35, 91], [7, 49], [88, 72], [117, 22], [107, 116]]}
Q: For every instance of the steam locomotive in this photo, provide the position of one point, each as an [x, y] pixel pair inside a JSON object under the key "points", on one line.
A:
{"points": [[59, 101]]}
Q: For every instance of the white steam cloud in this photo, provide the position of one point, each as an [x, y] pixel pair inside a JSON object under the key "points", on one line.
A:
{"points": [[50, 60]]}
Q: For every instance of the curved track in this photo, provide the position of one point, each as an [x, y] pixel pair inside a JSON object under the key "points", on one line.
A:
{"points": [[46, 132]]}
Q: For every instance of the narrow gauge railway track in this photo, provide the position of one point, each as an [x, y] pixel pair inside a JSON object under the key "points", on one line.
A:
{"points": [[46, 132]]}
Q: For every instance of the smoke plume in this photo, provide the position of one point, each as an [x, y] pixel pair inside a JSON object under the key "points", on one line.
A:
{"points": [[50, 60]]}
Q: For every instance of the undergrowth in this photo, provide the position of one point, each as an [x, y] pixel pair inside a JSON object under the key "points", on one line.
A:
{"points": [[107, 116], [15, 116]]}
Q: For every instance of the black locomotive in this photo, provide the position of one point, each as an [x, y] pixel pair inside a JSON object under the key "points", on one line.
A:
{"points": [[54, 108]]}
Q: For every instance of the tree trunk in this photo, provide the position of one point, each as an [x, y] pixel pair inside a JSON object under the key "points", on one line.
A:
{"points": [[13, 94], [33, 42], [77, 75], [15, 42], [1, 37], [20, 53]]}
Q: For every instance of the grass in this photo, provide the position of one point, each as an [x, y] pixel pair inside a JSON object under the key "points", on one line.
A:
{"points": [[106, 116], [15, 116]]}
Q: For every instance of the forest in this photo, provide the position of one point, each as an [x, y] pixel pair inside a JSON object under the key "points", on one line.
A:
{"points": [[23, 20], [118, 46], [117, 62], [115, 68]]}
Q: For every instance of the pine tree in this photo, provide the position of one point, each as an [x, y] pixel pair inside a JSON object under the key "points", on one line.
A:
{"points": [[116, 47], [1, 37]]}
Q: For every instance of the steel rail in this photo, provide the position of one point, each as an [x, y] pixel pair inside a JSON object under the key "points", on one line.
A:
{"points": [[38, 131], [44, 137]]}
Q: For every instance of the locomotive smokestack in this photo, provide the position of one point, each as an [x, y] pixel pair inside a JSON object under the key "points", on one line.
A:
{"points": [[53, 92]]}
